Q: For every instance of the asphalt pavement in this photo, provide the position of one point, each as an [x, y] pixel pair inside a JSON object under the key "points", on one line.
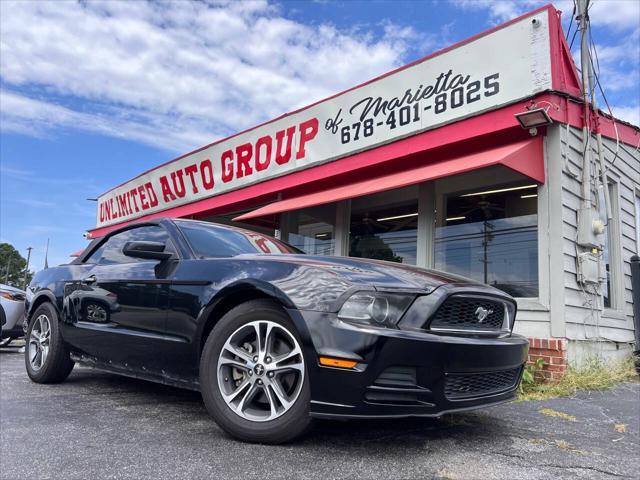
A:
{"points": [[99, 426]]}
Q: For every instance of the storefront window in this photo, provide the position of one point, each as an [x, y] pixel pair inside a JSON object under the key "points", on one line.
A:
{"points": [[312, 230], [385, 226], [491, 235]]}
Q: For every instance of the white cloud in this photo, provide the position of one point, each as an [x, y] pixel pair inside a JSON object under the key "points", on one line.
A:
{"points": [[499, 10], [619, 14], [629, 114], [41, 118], [619, 64], [175, 75], [618, 59]]}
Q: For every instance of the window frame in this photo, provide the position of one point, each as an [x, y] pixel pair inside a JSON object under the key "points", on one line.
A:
{"points": [[432, 206], [613, 231], [175, 251], [408, 194], [289, 225]]}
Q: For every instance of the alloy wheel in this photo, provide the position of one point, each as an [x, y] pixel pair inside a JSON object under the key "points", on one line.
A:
{"points": [[39, 342], [96, 313], [260, 371]]}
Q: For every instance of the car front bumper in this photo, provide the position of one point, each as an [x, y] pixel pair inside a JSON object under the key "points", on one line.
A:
{"points": [[403, 373]]}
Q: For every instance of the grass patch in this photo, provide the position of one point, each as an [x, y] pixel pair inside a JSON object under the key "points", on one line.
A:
{"points": [[549, 412], [594, 375]]}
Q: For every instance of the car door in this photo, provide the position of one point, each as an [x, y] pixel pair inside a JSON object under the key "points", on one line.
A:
{"points": [[120, 307]]}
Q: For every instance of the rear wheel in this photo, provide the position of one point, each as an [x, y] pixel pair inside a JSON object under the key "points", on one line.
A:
{"points": [[253, 377], [46, 358]]}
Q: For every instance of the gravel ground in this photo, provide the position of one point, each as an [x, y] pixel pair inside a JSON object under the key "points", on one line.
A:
{"points": [[97, 425]]}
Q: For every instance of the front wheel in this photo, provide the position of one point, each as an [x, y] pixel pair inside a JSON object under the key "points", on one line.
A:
{"points": [[46, 357], [253, 376]]}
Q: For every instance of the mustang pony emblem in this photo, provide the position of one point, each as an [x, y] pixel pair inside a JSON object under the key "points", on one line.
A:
{"points": [[482, 314]]}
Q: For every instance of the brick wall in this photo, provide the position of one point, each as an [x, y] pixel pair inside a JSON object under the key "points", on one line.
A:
{"points": [[554, 353]]}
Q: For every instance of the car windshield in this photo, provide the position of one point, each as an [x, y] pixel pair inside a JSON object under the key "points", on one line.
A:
{"points": [[210, 241]]}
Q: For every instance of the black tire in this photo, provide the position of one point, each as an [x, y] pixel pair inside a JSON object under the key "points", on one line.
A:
{"points": [[58, 364], [291, 423]]}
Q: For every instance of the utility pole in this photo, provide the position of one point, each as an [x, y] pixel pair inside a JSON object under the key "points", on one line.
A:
{"points": [[585, 68], [590, 226], [26, 270]]}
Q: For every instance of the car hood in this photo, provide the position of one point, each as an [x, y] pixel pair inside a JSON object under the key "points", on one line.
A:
{"points": [[376, 273], [10, 288]]}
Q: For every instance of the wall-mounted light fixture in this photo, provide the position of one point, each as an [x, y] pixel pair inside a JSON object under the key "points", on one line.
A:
{"points": [[533, 118]]}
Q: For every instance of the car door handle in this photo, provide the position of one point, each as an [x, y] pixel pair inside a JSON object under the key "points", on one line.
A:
{"points": [[89, 280]]}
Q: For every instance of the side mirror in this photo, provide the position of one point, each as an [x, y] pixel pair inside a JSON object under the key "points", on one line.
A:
{"points": [[152, 250]]}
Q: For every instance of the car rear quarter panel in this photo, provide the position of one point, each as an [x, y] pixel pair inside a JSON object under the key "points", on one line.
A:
{"points": [[48, 285]]}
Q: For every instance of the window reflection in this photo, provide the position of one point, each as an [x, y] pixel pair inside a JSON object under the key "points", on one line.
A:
{"points": [[491, 235], [385, 226], [312, 230]]}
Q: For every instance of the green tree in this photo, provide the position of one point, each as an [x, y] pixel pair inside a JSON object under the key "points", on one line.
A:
{"points": [[12, 266]]}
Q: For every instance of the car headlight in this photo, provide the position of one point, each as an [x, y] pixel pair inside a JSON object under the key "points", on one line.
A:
{"points": [[12, 295], [375, 308]]}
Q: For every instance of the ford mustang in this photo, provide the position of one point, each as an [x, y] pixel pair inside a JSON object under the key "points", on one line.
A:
{"points": [[271, 337]]}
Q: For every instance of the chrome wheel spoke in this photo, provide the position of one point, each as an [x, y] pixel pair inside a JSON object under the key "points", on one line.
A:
{"points": [[282, 396], [248, 396], [280, 364], [46, 328], [232, 362], [236, 393], [273, 409], [238, 352], [256, 328], [33, 353], [37, 360], [298, 367], [267, 338], [286, 357], [44, 354]]}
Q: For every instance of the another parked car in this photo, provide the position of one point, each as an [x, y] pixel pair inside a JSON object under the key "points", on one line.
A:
{"points": [[270, 336], [11, 313]]}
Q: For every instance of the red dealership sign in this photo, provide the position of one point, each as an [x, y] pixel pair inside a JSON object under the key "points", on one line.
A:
{"points": [[506, 65]]}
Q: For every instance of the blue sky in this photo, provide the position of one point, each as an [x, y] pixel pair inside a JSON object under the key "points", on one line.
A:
{"points": [[93, 93]]}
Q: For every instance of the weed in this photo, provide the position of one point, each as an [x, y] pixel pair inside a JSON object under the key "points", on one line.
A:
{"points": [[595, 374], [549, 412]]}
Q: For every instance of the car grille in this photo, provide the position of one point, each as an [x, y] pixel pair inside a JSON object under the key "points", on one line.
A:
{"points": [[463, 313], [460, 386]]}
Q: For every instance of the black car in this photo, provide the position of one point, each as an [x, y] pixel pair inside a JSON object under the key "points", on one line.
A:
{"points": [[270, 336]]}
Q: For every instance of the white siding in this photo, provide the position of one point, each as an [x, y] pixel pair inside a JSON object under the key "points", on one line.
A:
{"points": [[585, 317]]}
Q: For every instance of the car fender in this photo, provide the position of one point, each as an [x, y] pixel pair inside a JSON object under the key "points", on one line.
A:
{"points": [[252, 288], [38, 298]]}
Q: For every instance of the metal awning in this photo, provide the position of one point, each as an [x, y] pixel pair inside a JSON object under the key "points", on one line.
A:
{"points": [[525, 157]]}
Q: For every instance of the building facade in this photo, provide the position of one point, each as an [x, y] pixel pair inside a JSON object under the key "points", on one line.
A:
{"points": [[434, 165]]}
